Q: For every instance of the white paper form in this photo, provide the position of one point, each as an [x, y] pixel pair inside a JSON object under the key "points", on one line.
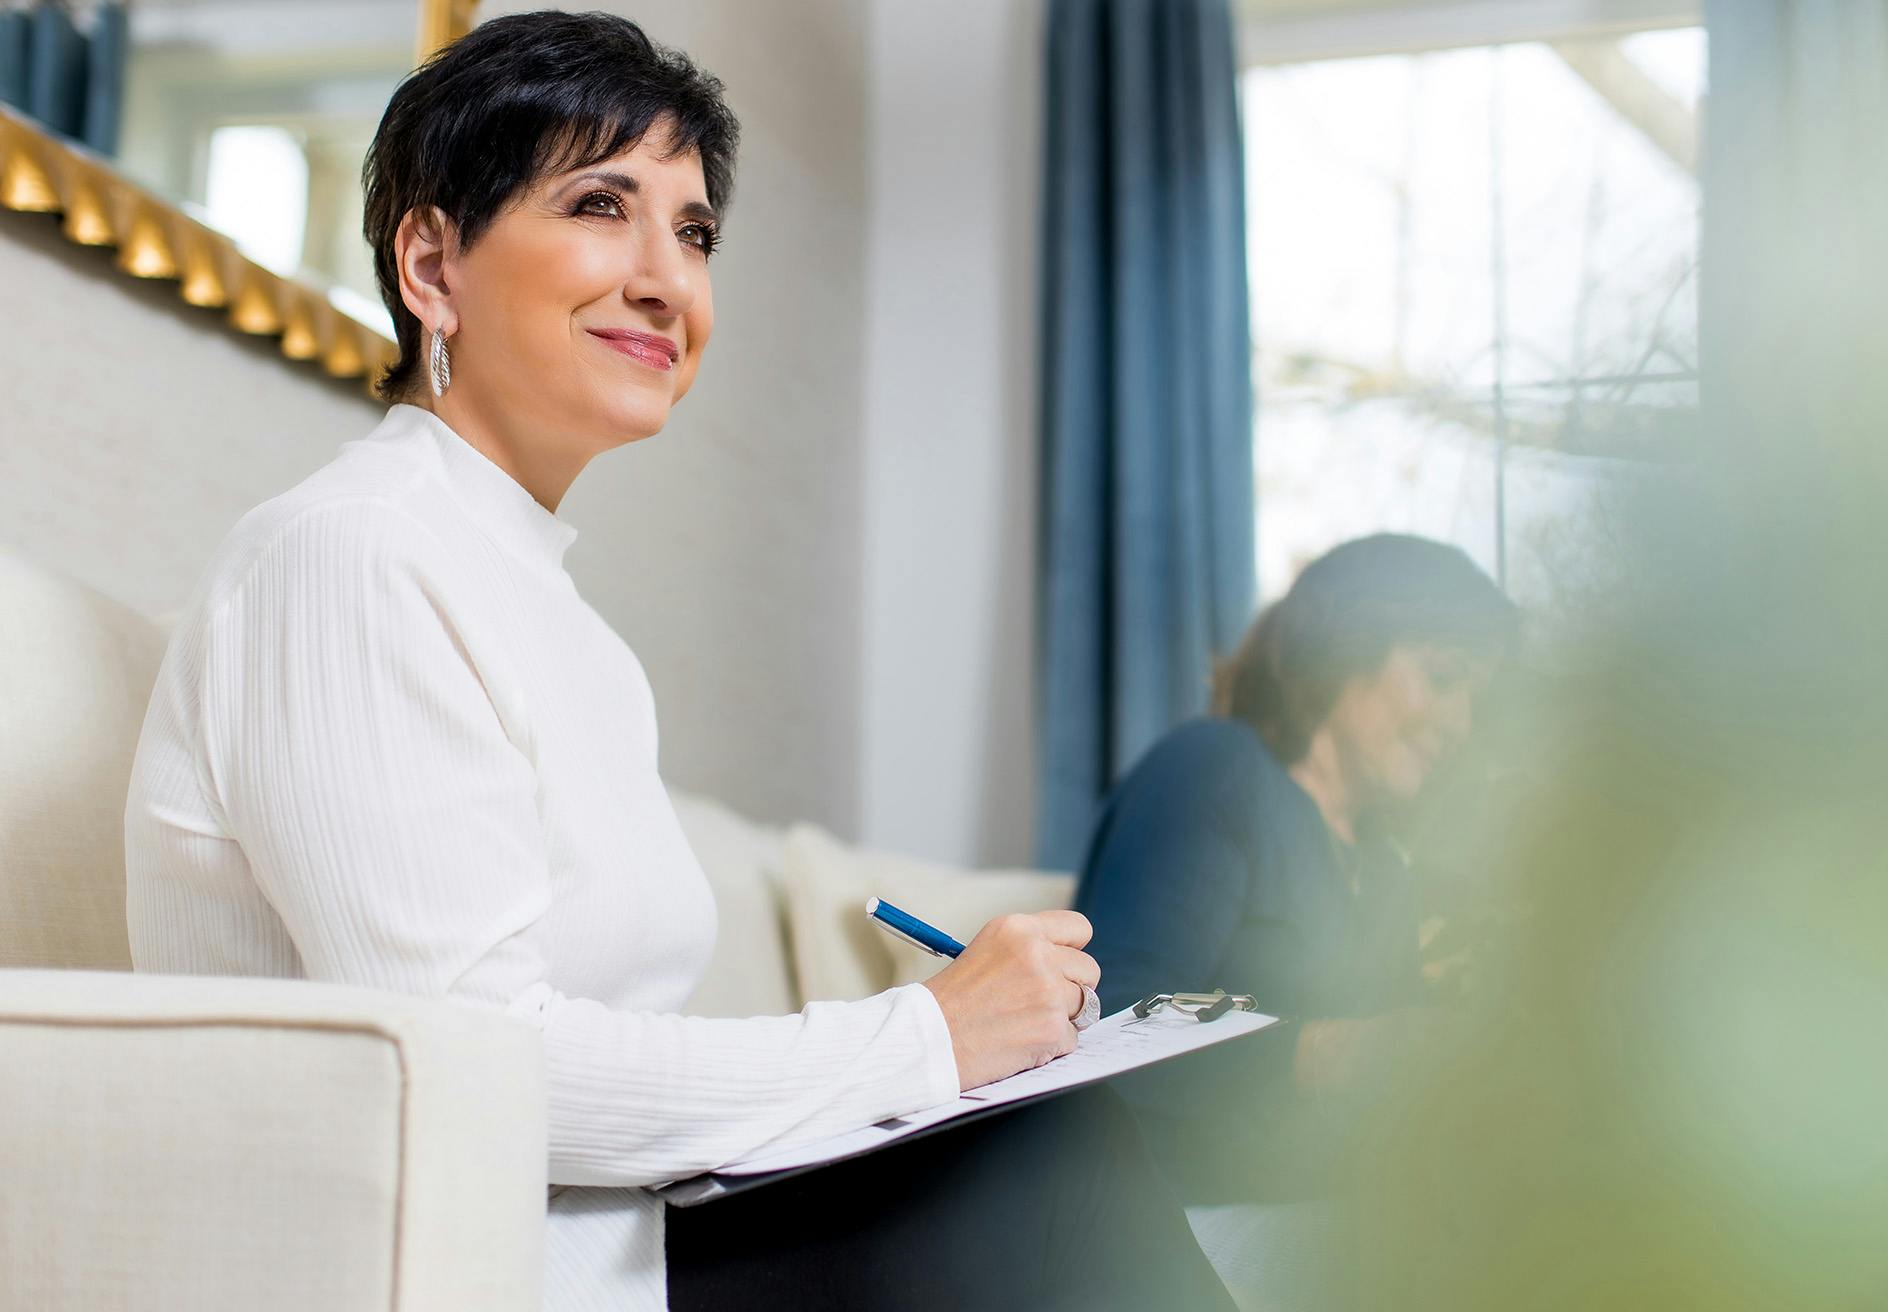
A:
{"points": [[1109, 1047]]}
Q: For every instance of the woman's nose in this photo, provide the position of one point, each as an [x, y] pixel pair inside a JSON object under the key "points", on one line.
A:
{"points": [[660, 281]]}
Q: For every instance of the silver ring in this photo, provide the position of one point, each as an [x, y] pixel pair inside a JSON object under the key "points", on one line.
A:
{"points": [[1090, 1012]]}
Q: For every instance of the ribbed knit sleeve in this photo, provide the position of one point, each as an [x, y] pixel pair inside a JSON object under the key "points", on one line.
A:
{"points": [[391, 818]]}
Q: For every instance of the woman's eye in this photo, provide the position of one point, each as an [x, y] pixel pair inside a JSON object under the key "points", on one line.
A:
{"points": [[583, 206], [701, 236]]}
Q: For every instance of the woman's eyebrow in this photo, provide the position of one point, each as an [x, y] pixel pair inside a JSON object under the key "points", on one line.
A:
{"points": [[698, 211]]}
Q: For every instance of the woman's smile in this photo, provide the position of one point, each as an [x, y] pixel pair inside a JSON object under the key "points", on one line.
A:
{"points": [[651, 349]]}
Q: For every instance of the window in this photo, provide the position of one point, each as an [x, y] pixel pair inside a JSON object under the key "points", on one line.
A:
{"points": [[1473, 295], [257, 192]]}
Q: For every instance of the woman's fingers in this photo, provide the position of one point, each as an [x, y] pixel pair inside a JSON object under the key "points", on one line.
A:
{"points": [[1078, 966], [1068, 928], [1014, 999]]}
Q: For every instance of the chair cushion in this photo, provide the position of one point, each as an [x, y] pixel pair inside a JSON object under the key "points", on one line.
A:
{"points": [[837, 952], [76, 673]]}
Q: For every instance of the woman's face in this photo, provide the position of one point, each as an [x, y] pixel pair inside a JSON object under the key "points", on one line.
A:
{"points": [[583, 310], [1393, 728]]}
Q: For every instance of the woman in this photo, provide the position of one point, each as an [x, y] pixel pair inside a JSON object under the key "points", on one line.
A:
{"points": [[1254, 852], [391, 746]]}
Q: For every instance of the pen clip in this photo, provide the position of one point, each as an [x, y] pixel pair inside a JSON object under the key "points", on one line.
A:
{"points": [[896, 932]]}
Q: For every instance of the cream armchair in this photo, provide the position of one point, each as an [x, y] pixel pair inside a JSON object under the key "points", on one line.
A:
{"points": [[171, 1143]]}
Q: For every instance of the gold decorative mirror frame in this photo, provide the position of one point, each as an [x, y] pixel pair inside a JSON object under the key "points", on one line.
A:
{"points": [[156, 237]]}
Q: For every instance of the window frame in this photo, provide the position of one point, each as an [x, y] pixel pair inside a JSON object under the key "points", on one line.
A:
{"points": [[1304, 31]]}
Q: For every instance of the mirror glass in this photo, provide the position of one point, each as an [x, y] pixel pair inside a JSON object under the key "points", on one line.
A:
{"points": [[255, 114]]}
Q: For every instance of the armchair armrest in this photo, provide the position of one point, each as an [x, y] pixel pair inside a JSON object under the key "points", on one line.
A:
{"points": [[170, 1142]]}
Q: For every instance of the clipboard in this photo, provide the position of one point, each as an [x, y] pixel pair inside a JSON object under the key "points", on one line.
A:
{"points": [[1180, 1033]]}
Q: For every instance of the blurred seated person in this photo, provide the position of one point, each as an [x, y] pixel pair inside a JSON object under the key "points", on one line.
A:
{"points": [[1255, 851]]}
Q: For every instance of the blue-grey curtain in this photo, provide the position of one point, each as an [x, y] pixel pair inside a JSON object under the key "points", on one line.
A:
{"points": [[55, 70], [1147, 550], [14, 27], [107, 46], [71, 80], [1793, 271]]}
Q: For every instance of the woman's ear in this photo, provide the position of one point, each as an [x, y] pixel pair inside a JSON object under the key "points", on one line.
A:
{"points": [[423, 251]]}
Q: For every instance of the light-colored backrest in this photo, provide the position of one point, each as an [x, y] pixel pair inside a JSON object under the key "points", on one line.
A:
{"points": [[76, 671], [750, 973]]}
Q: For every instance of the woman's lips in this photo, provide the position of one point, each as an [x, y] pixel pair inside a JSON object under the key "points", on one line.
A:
{"points": [[645, 348]]}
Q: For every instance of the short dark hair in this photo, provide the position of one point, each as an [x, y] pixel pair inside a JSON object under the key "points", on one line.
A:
{"points": [[1339, 621], [517, 99]]}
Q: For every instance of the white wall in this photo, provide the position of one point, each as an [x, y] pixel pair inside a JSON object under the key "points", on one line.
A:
{"points": [[136, 429], [726, 549], [948, 743], [852, 484]]}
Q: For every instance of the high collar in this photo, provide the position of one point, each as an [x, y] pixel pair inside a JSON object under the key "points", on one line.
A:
{"points": [[496, 500]]}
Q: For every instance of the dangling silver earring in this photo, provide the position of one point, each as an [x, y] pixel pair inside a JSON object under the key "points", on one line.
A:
{"points": [[441, 364]]}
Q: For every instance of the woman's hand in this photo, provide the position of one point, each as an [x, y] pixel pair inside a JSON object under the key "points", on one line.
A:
{"points": [[1009, 998]]}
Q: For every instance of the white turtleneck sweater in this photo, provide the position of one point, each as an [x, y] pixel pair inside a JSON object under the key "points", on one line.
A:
{"points": [[391, 746]]}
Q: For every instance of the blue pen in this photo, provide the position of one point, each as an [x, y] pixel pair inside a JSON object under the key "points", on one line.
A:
{"points": [[912, 930]]}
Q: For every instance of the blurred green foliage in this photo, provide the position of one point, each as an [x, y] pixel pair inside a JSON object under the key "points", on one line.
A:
{"points": [[1670, 1089], [1672, 1086]]}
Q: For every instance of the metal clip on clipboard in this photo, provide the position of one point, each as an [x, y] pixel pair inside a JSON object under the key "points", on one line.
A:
{"points": [[1202, 1007]]}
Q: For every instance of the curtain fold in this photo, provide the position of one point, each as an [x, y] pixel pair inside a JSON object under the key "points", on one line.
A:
{"points": [[14, 28], [1147, 551], [55, 70], [70, 80], [107, 47]]}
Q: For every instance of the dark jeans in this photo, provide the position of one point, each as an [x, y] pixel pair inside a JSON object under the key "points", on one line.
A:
{"points": [[1055, 1205]]}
